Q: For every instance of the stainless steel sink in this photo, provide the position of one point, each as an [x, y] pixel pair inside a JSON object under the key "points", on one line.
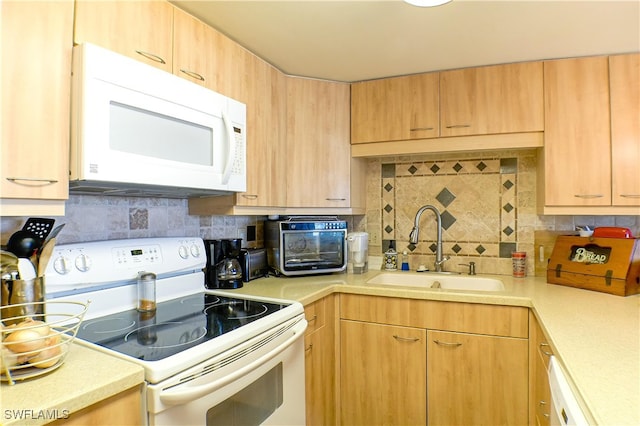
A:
{"points": [[436, 280]]}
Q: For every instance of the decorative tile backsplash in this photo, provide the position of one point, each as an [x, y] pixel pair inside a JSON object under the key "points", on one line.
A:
{"points": [[487, 203]]}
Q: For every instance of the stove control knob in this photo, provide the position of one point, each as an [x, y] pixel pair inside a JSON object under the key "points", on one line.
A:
{"points": [[83, 263], [62, 265], [183, 252], [195, 251]]}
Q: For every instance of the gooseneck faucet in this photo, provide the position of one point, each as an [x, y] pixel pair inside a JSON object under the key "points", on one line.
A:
{"points": [[415, 232]]}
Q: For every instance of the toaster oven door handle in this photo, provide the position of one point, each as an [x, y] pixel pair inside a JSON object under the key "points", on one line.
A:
{"points": [[185, 393], [231, 148]]}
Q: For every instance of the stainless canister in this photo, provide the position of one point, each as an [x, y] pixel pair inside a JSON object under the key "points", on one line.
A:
{"points": [[22, 298]]}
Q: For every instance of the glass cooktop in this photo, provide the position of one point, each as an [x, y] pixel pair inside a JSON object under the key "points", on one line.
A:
{"points": [[175, 326]]}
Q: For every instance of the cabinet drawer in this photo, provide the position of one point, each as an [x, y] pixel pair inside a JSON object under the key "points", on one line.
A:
{"points": [[508, 321], [315, 313]]}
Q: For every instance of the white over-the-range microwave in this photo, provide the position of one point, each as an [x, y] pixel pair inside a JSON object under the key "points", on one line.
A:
{"points": [[140, 131]]}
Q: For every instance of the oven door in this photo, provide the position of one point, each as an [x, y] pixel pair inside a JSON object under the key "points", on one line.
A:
{"points": [[258, 382]]}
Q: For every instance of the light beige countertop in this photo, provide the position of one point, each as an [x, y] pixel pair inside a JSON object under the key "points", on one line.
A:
{"points": [[87, 376], [596, 336]]}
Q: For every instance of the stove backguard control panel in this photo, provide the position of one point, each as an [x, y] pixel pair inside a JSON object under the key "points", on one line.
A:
{"points": [[73, 266]]}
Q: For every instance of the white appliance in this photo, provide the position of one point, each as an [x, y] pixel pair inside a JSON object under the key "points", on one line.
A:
{"points": [[137, 130], [565, 410], [209, 357]]}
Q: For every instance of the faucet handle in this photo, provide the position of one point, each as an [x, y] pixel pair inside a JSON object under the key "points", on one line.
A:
{"points": [[472, 267]]}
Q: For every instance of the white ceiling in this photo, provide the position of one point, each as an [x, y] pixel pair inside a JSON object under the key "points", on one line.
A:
{"points": [[361, 40]]}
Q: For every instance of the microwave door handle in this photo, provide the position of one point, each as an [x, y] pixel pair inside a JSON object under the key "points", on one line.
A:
{"points": [[231, 148]]}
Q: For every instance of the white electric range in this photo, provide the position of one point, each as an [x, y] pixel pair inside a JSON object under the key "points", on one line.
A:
{"points": [[209, 357]]}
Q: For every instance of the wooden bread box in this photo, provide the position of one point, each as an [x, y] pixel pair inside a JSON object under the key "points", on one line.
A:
{"points": [[608, 265]]}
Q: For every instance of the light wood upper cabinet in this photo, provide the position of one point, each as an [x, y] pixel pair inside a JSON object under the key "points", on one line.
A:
{"points": [[318, 149], [383, 377], [36, 68], [476, 379], [577, 151], [495, 99], [193, 46], [624, 74], [393, 109], [142, 30]]}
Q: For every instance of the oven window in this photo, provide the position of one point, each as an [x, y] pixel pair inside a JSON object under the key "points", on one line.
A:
{"points": [[313, 250], [253, 404]]}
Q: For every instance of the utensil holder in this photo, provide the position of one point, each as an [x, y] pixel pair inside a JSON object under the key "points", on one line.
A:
{"points": [[22, 298]]}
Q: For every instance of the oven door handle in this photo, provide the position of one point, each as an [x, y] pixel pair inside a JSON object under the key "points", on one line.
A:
{"points": [[181, 395]]}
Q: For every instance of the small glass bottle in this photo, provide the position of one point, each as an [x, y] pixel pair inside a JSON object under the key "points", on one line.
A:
{"points": [[146, 291], [405, 261]]}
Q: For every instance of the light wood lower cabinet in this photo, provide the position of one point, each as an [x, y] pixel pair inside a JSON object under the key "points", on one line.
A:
{"points": [[474, 379], [540, 352], [455, 363], [383, 380], [123, 409], [320, 362]]}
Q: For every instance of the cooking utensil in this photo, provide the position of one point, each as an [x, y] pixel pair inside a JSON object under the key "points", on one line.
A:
{"points": [[26, 269], [41, 227], [23, 243], [54, 233], [45, 256]]}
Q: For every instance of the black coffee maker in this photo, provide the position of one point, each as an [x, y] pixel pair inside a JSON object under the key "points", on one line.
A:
{"points": [[224, 268]]}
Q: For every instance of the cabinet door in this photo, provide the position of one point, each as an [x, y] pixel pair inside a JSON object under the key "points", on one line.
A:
{"points": [[395, 109], [577, 147], [139, 29], [318, 149], [488, 100], [320, 362], [624, 74], [383, 377], [476, 379], [192, 46], [36, 65], [266, 140]]}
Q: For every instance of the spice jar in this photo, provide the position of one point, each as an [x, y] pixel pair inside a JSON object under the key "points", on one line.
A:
{"points": [[146, 291], [519, 260]]}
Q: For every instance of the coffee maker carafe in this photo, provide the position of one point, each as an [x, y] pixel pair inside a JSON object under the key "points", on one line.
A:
{"points": [[224, 268]]}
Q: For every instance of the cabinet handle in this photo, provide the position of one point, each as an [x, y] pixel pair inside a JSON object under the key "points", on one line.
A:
{"points": [[438, 342], [151, 56], [193, 74], [587, 196], [458, 126], [335, 199], [308, 348], [417, 129], [630, 195], [250, 196], [315, 317], [544, 345], [32, 181], [406, 339], [542, 403]]}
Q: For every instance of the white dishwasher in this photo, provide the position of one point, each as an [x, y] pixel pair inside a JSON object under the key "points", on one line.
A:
{"points": [[564, 406]]}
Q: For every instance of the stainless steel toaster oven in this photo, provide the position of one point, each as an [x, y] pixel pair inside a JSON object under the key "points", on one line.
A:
{"points": [[305, 245]]}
